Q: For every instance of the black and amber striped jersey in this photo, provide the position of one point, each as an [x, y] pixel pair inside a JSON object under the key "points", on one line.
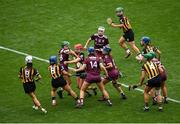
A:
{"points": [[55, 71], [149, 48], [126, 25], [27, 74], [151, 69]]}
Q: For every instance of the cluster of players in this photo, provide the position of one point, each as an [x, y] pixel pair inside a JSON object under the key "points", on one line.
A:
{"points": [[88, 69]]}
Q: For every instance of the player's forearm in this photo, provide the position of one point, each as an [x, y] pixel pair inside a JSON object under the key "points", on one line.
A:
{"points": [[87, 43], [73, 61], [109, 66], [82, 68], [141, 80], [116, 25], [73, 53], [158, 54], [38, 77], [66, 73]]}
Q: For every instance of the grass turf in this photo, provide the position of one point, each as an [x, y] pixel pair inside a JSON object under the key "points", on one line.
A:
{"points": [[38, 26]]}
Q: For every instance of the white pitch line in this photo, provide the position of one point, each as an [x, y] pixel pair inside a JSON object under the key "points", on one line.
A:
{"points": [[45, 60]]}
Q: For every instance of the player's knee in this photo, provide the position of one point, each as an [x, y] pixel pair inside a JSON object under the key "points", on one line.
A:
{"points": [[158, 92]]}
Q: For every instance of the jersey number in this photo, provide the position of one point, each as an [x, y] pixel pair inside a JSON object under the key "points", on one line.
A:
{"points": [[53, 70], [27, 73], [93, 64]]}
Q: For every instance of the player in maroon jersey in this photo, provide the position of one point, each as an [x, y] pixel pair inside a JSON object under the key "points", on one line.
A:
{"points": [[64, 53], [113, 72], [92, 65], [100, 40], [80, 76]]}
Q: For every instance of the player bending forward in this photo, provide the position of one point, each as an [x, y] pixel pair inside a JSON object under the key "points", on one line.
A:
{"points": [[128, 33], [57, 81], [92, 65], [113, 72], [27, 74]]}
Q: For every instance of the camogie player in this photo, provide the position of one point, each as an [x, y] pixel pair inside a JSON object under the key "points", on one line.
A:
{"points": [[100, 40], [113, 72], [147, 47], [128, 33], [92, 65], [64, 53], [151, 70], [80, 76], [57, 81], [27, 74]]}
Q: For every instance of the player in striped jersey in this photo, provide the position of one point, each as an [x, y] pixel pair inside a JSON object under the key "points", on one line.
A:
{"points": [[128, 33], [150, 69], [27, 74], [57, 81], [148, 47]]}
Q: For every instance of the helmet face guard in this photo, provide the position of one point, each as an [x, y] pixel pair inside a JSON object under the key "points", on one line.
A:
{"points": [[101, 30], [145, 40], [65, 44], [28, 59], [78, 48], [91, 50], [119, 11], [53, 60]]}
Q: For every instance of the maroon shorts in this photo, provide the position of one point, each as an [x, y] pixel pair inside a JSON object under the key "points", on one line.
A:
{"points": [[90, 78], [113, 74], [163, 76], [63, 66]]}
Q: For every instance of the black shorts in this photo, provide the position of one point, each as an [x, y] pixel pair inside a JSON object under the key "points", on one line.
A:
{"points": [[58, 82], [129, 35], [81, 74], [154, 82], [29, 87]]}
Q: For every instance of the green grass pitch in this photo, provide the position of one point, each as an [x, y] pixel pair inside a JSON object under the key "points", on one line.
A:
{"points": [[38, 26]]}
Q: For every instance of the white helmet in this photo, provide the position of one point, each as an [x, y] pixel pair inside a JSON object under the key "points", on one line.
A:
{"points": [[28, 59], [101, 28]]}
